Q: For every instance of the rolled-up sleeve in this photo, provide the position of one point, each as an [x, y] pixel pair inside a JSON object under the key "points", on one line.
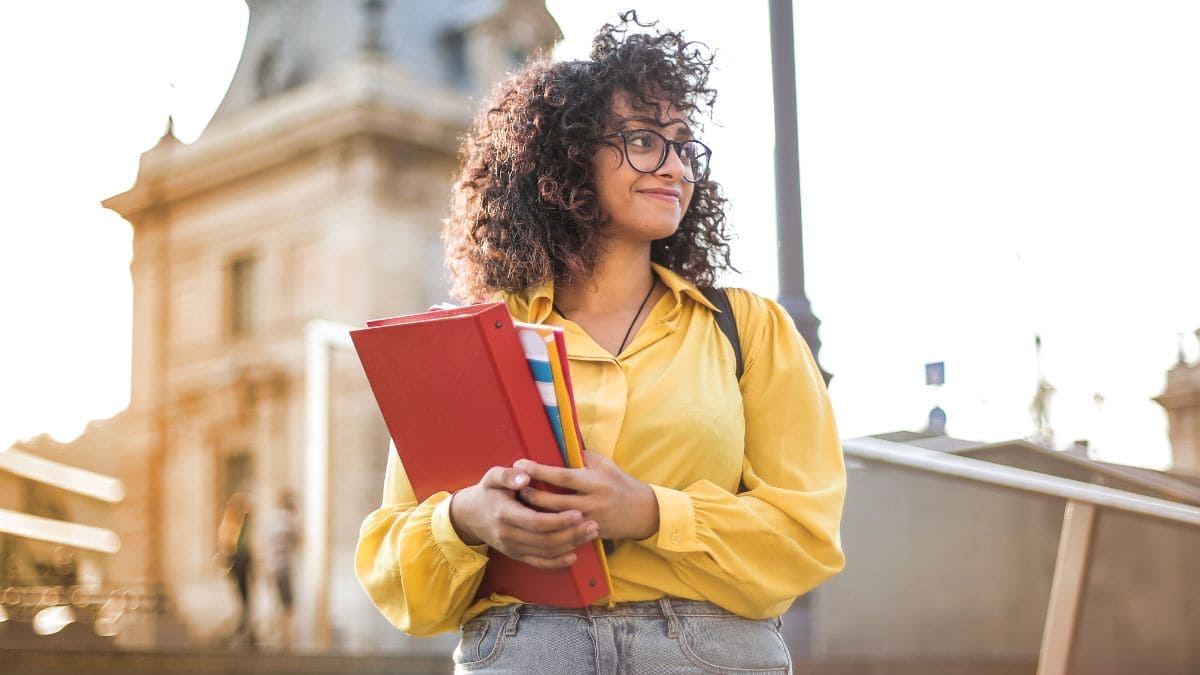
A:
{"points": [[755, 551], [412, 563]]}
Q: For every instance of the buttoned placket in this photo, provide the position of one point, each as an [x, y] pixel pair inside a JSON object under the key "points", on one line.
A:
{"points": [[603, 427]]}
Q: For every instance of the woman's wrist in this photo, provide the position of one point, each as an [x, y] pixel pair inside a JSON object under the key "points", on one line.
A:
{"points": [[648, 511], [459, 517]]}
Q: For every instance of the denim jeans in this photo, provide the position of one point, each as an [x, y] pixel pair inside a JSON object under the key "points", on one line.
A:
{"points": [[662, 636]]}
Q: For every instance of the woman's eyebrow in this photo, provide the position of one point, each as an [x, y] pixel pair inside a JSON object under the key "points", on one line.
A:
{"points": [[683, 131]]}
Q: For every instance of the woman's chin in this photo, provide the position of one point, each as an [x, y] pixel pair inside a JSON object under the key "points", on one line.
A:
{"points": [[644, 230], [654, 231]]}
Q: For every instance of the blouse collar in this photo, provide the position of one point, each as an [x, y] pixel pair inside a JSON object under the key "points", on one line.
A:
{"points": [[537, 303]]}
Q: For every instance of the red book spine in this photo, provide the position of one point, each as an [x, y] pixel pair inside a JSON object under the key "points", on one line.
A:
{"points": [[581, 584]]}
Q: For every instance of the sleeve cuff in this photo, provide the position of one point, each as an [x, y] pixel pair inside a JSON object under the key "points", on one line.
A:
{"points": [[464, 558], [676, 522]]}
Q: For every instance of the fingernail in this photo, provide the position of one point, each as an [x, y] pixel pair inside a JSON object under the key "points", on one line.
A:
{"points": [[593, 532], [520, 479], [570, 559]]}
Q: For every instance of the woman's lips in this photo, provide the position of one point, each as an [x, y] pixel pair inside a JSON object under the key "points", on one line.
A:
{"points": [[665, 195]]}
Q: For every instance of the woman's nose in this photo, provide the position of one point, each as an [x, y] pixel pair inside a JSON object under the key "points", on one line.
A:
{"points": [[673, 163]]}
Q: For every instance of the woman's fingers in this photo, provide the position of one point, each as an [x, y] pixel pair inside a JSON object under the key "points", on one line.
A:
{"points": [[503, 477], [572, 479], [547, 529], [595, 460], [546, 539], [525, 532], [551, 501], [539, 522], [543, 548], [622, 506], [548, 563], [490, 513]]}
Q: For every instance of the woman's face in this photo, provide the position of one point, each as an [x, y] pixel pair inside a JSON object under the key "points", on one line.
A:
{"points": [[639, 206]]}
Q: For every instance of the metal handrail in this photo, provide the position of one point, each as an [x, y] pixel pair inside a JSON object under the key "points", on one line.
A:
{"points": [[62, 476], [59, 532], [1071, 565], [879, 450]]}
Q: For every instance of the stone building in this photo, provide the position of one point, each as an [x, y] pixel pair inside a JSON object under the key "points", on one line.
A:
{"points": [[1181, 400], [317, 192]]}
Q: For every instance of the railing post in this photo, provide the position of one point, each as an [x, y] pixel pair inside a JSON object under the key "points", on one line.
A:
{"points": [[320, 338], [1066, 590], [316, 484]]}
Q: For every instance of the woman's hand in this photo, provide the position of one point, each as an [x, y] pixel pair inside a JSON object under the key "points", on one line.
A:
{"points": [[622, 506], [489, 513]]}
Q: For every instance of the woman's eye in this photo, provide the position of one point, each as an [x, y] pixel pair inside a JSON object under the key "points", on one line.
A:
{"points": [[642, 141]]}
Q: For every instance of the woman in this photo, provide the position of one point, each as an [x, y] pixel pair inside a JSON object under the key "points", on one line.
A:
{"points": [[233, 552], [584, 202]]}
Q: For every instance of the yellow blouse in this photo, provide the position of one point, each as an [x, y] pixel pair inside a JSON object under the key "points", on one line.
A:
{"points": [[669, 411]]}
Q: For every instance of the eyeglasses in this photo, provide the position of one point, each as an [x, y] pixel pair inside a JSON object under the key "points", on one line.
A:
{"points": [[646, 152]]}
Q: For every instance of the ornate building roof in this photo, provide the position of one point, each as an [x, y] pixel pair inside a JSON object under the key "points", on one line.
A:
{"points": [[459, 44]]}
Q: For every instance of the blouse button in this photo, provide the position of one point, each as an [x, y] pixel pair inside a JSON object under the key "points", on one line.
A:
{"points": [[675, 538]]}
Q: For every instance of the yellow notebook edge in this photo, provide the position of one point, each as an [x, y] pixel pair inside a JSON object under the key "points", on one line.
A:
{"points": [[566, 410], [566, 407]]}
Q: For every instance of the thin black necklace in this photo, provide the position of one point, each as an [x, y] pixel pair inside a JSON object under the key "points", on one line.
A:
{"points": [[631, 323]]}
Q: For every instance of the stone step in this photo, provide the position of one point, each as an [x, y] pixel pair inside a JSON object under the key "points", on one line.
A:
{"points": [[27, 661]]}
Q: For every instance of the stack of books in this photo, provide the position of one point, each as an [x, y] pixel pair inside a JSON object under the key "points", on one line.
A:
{"points": [[465, 389]]}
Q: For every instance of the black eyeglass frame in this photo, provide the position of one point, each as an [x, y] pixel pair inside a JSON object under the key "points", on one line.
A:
{"points": [[668, 144]]}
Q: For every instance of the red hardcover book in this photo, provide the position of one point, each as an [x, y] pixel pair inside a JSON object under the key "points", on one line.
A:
{"points": [[458, 398]]}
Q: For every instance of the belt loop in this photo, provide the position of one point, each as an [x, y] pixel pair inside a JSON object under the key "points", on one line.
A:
{"points": [[514, 615], [672, 620]]}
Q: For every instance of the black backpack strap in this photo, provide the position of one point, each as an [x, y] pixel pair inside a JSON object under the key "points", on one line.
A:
{"points": [[726, 322]]}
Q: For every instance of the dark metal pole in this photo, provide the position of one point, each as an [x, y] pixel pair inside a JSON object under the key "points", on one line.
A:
{"points": [[787, 180]]}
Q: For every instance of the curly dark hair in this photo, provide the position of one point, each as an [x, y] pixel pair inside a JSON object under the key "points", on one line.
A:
{"points": [[525, 208]]}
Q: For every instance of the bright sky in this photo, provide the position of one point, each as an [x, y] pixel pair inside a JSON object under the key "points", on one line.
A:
{"points": [[973, 174]]}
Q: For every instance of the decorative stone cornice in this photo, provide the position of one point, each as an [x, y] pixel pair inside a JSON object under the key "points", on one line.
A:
{"points": [[1183, 388], [367, 95]]}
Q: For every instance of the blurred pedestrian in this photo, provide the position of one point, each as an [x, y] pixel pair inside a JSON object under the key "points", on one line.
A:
{"points": [[233, 549], [283, 539]]}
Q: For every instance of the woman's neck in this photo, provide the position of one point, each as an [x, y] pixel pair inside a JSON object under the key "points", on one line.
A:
{"points": [[620, 281]]}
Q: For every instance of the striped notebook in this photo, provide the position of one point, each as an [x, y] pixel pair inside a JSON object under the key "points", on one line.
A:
{"points": [[546, 351], [537, 352]]}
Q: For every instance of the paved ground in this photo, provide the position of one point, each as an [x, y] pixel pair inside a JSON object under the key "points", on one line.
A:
{"points": [[73, 661]]}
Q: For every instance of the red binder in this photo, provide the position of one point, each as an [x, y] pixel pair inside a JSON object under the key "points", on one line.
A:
{"points": [[458, 398]]}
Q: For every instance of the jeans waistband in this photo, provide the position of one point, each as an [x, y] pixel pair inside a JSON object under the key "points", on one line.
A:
{"points": [[663, 607]]}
